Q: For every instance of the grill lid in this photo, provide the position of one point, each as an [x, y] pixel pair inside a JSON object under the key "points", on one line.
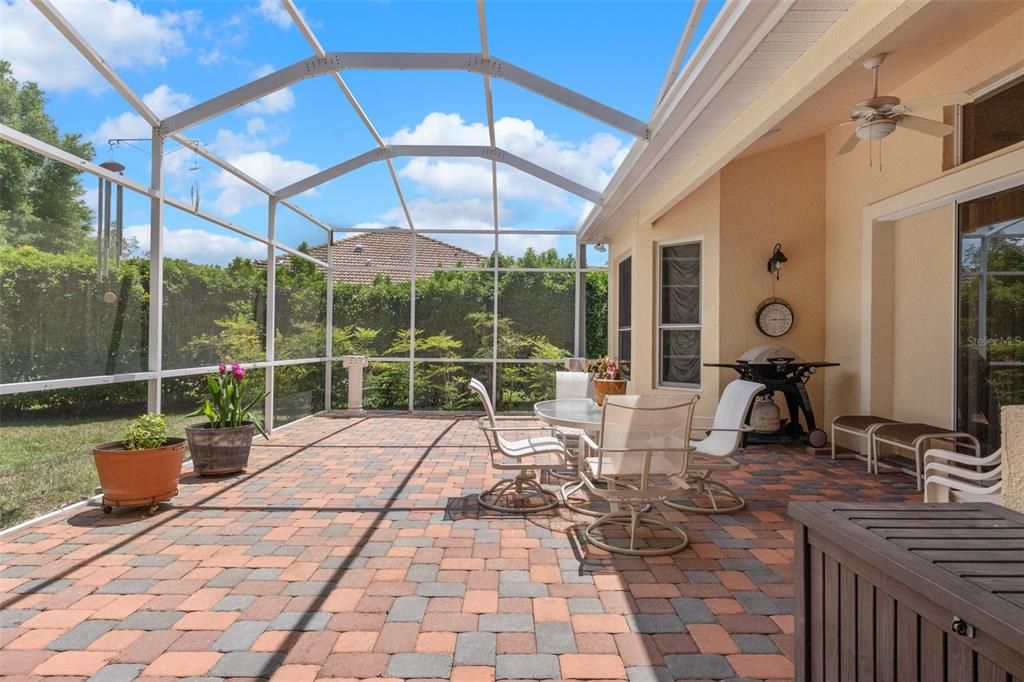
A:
{"points": [[768, 353]]}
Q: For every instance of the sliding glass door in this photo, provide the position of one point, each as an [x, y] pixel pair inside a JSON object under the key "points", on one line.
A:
{"points": [[990, 358]]}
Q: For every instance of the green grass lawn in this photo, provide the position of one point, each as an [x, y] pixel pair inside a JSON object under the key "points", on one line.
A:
{"points": [[46, 463]]}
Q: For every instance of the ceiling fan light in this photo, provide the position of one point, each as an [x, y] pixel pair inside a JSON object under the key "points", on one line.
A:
{"points": [[876, 130]]}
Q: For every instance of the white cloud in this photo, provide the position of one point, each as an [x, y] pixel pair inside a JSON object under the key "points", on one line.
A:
{"points": [[511, 245], [274, 12], [125, 125], [257, 136], [211, 57], [275, 102], [517, 244], [590, 163], [123, 34], [162, 100], [441, 128], [199, 246], [270, 169], [461, 177], [449, 214]]}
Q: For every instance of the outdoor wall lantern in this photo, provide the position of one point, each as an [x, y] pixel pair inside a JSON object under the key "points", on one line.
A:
{"points": [[776, 261]]}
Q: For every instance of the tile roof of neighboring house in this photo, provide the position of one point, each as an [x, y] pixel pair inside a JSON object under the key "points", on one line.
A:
{"points": [[361, 257]]}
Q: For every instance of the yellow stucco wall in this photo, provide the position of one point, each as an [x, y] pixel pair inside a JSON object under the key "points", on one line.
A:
{"points": [[852, 184], [696, 217], [739, 215], [924, 317], [1012, 420], [777, 196], [814, 202]]}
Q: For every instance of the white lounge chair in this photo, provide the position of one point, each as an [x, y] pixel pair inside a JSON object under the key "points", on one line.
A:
{"points": [[526, 457], [715, 452], [956, 477], [641, 458]]}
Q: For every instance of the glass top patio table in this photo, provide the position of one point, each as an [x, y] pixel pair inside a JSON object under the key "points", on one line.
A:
{"points": [[579, 413]]}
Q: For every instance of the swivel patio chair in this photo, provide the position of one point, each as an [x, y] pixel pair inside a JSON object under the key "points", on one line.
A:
{"points": [[571, 385], [715, 453], [956, 477], [526, 457], [641, 458]]}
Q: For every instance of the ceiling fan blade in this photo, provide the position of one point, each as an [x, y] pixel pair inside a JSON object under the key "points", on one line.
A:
{"points": [[925, 125], [850, 143], [939, 101]]}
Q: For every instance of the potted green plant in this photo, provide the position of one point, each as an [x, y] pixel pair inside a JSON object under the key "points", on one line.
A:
{"points": [[608, 378], [222, 444], [143, 469]]}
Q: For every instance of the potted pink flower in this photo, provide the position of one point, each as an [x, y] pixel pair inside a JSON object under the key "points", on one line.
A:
{"points": [[222, 445], [607, 373]]}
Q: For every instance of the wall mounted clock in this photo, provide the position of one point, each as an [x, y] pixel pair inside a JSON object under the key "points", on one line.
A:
{"points": [[774, 317]]}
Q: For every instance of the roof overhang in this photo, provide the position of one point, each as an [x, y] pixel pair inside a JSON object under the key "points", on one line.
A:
{"points": [[760, 62]]}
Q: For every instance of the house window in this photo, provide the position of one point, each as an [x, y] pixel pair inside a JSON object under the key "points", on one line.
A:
{"points": [[679, 322], [992, 122], [625, 313]]}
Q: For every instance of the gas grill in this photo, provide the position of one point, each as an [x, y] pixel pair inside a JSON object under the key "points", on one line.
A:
{"points": [[782, 370]]}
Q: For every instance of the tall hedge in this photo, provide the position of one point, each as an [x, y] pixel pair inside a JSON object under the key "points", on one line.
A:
{"points": [[57, 321]]}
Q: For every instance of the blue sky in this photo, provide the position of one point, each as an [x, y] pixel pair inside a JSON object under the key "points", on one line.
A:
{"points": [[179, 53]]}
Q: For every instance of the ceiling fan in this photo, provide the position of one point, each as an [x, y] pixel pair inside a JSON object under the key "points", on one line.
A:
{"points": [[878, 116]]}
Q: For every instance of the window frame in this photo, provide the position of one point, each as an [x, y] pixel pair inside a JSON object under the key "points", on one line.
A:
{"points": [[660, 326], [994, 88], [619, 328]]}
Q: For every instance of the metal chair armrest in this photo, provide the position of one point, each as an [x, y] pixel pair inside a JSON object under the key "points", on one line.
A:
{"points": [[961, 486], [586, 440], [938, 454], [516, 428], [993, 474]]}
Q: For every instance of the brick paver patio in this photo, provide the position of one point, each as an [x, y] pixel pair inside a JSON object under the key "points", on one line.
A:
{"points": [[351, 549]]}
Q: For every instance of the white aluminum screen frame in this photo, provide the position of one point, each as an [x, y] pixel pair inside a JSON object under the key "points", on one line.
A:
{"points": [[482, 63]]}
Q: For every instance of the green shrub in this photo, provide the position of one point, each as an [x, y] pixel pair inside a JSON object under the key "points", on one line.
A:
{"points": [[147, 432]]}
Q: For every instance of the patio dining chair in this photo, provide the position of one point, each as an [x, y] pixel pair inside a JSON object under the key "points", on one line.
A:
{"points": [[641, 458], [526, 457], [955, 477], [715, 452], [571, 384]]}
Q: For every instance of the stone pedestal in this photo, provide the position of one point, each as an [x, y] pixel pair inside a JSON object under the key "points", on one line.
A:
{"points": [[355, 365], [1013, 456]]}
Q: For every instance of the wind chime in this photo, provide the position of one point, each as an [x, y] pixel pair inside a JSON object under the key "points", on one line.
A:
{"points": [[194, 170], [109, 223]]}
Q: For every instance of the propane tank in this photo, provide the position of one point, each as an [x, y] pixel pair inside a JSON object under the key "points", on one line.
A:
{"points": [[765, 416]]}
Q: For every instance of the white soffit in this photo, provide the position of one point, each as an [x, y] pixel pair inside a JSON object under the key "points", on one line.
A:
{"points": [[750, 46]]}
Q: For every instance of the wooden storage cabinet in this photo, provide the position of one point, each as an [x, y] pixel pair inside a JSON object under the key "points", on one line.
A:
{"points": [[909, 592]]}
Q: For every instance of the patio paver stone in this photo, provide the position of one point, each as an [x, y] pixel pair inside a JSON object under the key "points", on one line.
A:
{"points": [[353, 549]]}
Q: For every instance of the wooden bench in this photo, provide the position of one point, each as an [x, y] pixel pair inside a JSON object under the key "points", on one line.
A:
{"points": [[905, 592]]}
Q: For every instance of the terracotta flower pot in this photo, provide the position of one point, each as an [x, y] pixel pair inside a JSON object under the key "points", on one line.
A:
{"points": [[219, 451], [603, 387], [138, 478]]}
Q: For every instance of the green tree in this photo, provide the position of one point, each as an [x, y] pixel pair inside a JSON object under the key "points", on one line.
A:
{"points": [[40, 199]]}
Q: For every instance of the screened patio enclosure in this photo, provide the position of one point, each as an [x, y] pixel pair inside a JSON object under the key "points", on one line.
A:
{"points": [[103, 318]]}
